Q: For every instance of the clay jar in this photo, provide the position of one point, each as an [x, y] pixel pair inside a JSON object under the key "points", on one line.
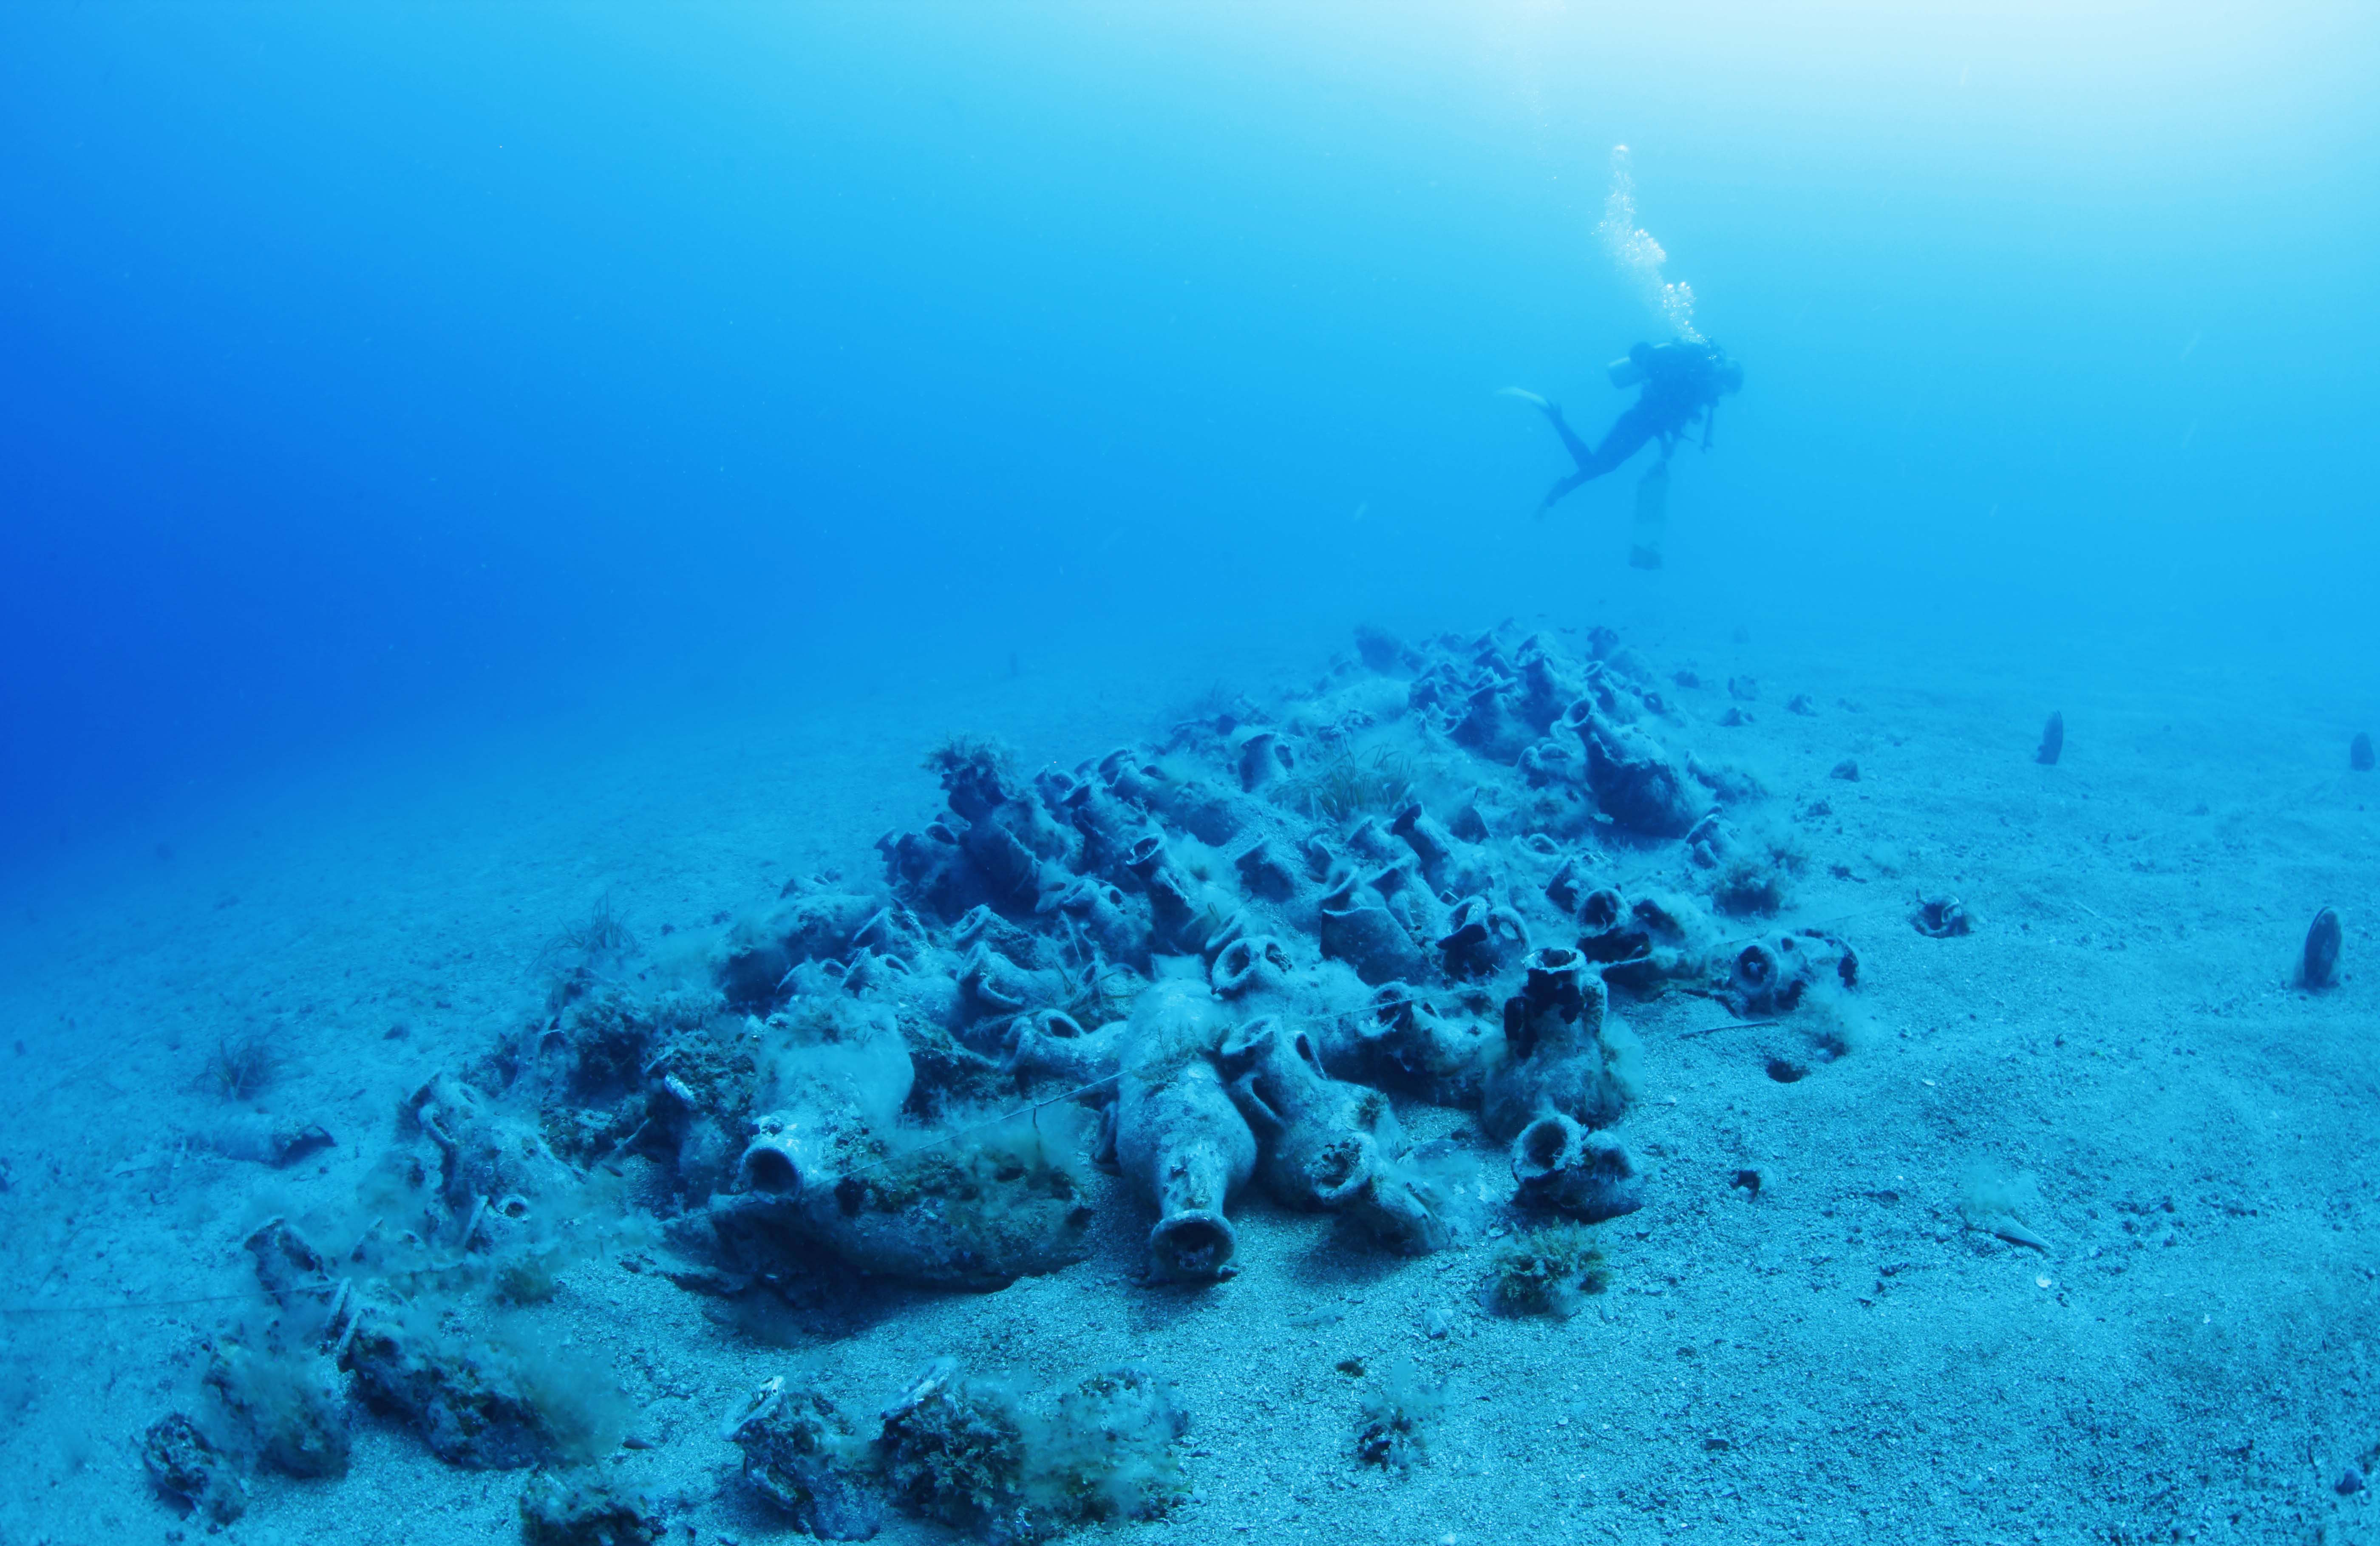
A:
{"points": [[1179, 1138], [1262, 758], [1433, 846], [1187, 918], [1770, 976], [1482, 939], [1634, 781], [1255, 964], [1323, 1141], [1327, 1144], [1403, 1039], [1051, 1044], [802, 1151], [1556, 1059], [1358, 929], [1560, 1165]]}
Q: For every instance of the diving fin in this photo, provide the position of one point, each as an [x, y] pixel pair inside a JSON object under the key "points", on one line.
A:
{"points": [[1652, 518]]}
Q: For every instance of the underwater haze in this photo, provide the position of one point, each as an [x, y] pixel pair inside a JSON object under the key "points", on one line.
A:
{"points": [[374, 368], [832, 768]]}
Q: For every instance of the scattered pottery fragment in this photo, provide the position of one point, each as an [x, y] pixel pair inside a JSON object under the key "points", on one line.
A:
{"points": [[2318, 965], [278, 1142], [1940, 915], [2053, 740]]}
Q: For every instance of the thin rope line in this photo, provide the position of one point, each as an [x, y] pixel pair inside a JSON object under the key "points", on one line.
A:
{"points": [[116, 1309], [1731, 1025], [1856, 913]]}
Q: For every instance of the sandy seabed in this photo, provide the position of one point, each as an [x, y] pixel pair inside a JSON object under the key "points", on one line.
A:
{"points": [[1839, 1354]]}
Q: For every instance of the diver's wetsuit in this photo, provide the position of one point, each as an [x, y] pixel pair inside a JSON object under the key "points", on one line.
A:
{"points": [[1682, 382]]}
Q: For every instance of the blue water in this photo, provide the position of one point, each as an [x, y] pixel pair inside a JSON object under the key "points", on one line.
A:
{"points": [[597, 448], [373, 372]]}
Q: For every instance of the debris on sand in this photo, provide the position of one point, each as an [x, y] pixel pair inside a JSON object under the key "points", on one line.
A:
{"points": [[1547, 1272], [1940, 915], [1194, 963], [2318, 962], [1399, 1418], [2005, 1206]]}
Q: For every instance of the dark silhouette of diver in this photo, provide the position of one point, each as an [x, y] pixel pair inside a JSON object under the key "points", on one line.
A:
{"points": [[1681, 382]]}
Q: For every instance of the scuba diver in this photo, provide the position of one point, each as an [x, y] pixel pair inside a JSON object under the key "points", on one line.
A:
{"points": [[1682, 382]]}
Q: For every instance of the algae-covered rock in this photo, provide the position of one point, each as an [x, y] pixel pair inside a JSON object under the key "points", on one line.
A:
{"points": [[954, 1450], [967, 1453], [473, 1404], [1111, 1450], [1399, 1418], [190, 1470], [1547, 1272], [558, 1512], [804, 1457], [469, 1403], [467, 1412], [287, 1404]]}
